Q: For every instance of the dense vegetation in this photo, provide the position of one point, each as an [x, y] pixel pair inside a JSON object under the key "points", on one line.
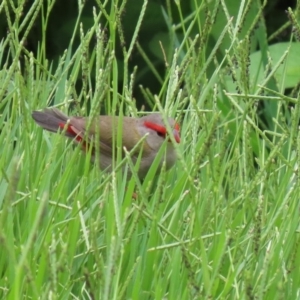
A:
{"points": [[224, 222]]}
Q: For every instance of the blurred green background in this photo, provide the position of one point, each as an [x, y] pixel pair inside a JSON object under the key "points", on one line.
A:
{"points": [[154, 34]]}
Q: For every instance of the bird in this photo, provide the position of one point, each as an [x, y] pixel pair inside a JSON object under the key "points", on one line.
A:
{"points": [[105, 128]]}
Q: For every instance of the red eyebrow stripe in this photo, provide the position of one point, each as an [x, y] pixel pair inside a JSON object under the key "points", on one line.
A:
{"points": [[162, 130], [155, 127], [159, 128]]}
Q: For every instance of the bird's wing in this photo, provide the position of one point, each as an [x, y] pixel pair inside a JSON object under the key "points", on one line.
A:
{"points": [[106, 128]]}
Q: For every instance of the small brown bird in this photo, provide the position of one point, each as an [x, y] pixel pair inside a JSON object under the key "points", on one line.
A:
{"points": [[106, 128]]}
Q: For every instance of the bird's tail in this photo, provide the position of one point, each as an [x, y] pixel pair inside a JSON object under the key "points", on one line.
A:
{"points": [[52, 120]]}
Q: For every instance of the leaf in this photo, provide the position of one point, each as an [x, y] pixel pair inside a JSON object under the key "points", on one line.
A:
{"points": [[288, 73]]}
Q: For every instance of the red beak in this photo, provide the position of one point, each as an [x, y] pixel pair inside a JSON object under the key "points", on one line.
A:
{"points": [[176, 135]]}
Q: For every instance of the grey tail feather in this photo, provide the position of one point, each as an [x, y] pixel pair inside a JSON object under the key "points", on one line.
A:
{"points": [[50, 119]]}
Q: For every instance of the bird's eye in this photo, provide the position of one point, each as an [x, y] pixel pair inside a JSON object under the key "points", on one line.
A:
{"points": [[160, 134]]}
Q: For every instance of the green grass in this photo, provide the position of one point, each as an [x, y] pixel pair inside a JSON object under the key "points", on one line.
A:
{"points": [[222, 224]]}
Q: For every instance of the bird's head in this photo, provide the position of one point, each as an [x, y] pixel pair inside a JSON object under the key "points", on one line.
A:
{"points": [[154, 126]]}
